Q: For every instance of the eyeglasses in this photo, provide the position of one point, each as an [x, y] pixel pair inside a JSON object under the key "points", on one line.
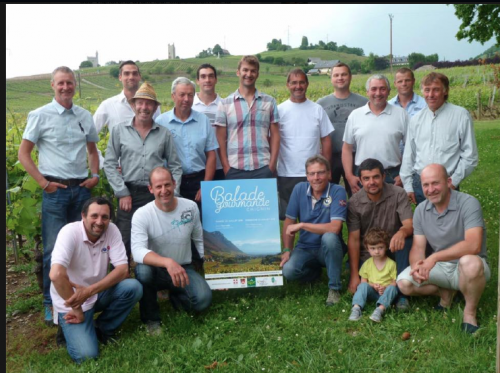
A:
{"points": [[319, 173]]}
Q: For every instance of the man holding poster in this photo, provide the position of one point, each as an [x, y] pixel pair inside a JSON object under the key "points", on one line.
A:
{"points": [[321, 208]]}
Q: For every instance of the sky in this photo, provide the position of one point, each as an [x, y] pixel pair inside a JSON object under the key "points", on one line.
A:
{"points": [[40, 38]]}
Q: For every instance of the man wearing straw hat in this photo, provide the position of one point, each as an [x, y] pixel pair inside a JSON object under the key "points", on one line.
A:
{"points": [[141, 145], [117, 109]]}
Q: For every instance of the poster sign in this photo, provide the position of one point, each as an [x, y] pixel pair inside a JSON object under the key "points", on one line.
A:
{"points": [[241, 233]]}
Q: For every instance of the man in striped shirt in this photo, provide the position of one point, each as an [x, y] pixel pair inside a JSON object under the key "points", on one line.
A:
{"points": [[247, 128]]}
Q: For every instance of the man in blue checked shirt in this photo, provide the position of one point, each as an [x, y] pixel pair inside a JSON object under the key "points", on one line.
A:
{"points": [[63, 133], [321, 208]]}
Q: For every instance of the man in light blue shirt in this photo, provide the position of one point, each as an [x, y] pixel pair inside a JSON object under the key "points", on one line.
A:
{"points": [[194, 139], [406, 98], [63, 134]]}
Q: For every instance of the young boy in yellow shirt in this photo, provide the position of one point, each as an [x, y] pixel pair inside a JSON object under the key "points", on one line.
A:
{"points": [[378, 277]]}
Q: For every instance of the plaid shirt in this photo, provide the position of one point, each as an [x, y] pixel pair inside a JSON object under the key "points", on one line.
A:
{"points": [[247, 129]]}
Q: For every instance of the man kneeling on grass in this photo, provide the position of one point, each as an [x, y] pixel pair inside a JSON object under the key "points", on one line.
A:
{"points": [[453, 225], [82, 286], [378, 277], [321, 208]]}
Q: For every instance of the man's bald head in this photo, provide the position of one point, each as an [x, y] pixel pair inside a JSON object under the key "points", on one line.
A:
{"points": [[436, 184], [435, 168]]}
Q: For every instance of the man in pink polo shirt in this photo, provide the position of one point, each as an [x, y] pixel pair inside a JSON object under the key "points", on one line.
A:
{"points": [[82, 286]]}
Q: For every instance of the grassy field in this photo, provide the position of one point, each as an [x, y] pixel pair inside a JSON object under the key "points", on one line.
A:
{"points": [[289, 329]]}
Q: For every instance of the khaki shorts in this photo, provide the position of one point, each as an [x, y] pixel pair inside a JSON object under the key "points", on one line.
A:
{"points": [[444, 275]]}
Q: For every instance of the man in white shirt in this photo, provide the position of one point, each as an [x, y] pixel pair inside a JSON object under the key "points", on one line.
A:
{"points": [[304, 126], [441, 133], [82, 286], [117, 109], [206, 102], [376, 130], [162, 232]]}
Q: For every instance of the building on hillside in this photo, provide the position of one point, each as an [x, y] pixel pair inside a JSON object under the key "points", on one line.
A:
{"points": [[325, 67], [94, 60], [313, 60], [399, 60], [171, 52], [313, 71], [225, 52]]}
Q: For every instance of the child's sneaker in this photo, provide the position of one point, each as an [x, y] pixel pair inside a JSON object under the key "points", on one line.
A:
{"points": [[355, 313], [377, 315]]}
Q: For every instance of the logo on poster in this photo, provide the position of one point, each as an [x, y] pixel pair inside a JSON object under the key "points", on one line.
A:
{"points": [[223, 199]]}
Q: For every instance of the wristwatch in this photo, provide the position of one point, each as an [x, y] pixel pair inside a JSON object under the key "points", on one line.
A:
{"points": [[96, 175]]}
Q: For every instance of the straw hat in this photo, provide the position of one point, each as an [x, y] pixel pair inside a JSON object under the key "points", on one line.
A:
{"points": [[147, 92]]}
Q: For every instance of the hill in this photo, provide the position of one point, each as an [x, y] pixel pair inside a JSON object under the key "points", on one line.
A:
{"points": [[490, 52], [318, 53]]}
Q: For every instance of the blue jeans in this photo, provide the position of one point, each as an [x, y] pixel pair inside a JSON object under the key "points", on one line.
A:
{"points": [[366, 292], [115, 304], [305, 264], [417, 189], [197, 296], [58, 209]]}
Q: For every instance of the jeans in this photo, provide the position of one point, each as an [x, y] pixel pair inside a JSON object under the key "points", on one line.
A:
{"points": [[260, 173], [285, 189], [417, 189], [115, 304], [197, 296], [366, 292], [58, 209], [305, 264], [338, 171]]}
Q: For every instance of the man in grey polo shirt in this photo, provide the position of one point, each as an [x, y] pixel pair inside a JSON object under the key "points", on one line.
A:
{"points": [[382, 205], [441, 133], [376, 130], [452, 223], [141, 145], [63, 133]]}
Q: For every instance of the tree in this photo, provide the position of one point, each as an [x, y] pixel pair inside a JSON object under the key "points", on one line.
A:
{"points": [[279, 61], [305, 43], [114, 71], [331, 46], [414, 58], [480, 22], [85, 64], [110, 63], [355, 66], [217, 49]]}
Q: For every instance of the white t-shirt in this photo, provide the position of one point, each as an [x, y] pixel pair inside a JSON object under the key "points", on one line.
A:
{"points": [[168, 234], [86, 263], [302, 125], [377, 136]]}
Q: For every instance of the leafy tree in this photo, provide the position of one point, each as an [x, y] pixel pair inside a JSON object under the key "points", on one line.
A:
{"points": [[169, 70], [267, 83], [431, 58], [110, 63], [414, 58], [114, 71], [480, 22], [86, 64], [259, 57], [217, 49], [305, 43], [355, 66], [279, 61], [189, 70], [331, 46], [321, 45]]}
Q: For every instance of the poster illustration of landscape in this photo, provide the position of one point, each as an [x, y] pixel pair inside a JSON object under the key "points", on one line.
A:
{"points": [[241, 233]]}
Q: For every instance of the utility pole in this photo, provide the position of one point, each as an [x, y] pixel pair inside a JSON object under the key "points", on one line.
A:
{"points": [[391, 17]]}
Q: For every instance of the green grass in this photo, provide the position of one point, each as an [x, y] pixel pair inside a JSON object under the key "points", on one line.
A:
{"points": [[289, 329]]}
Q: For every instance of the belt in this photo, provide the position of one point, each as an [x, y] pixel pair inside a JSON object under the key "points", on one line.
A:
{"points": [[191, 176], [67, 182], [137, 188]]}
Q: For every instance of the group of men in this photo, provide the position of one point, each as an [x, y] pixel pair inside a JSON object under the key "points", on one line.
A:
{"points": [[152, 159]]}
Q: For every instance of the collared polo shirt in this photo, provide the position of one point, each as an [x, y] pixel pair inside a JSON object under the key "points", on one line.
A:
{"points": [[416, 104], [331, 206], [86, 262], [445, 137], [193, 138], [377, 136], [61, 136], [247, 129], [387, 213], [443, 230]]}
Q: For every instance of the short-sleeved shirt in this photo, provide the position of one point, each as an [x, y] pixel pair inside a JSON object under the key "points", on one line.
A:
{"points": [[86, 262], [331, 206], [413, 107], [377, 136], [448, 228], [247, 129], [387, 213], [383, 277], [193, 138], [61, 136], [302, 126]]}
